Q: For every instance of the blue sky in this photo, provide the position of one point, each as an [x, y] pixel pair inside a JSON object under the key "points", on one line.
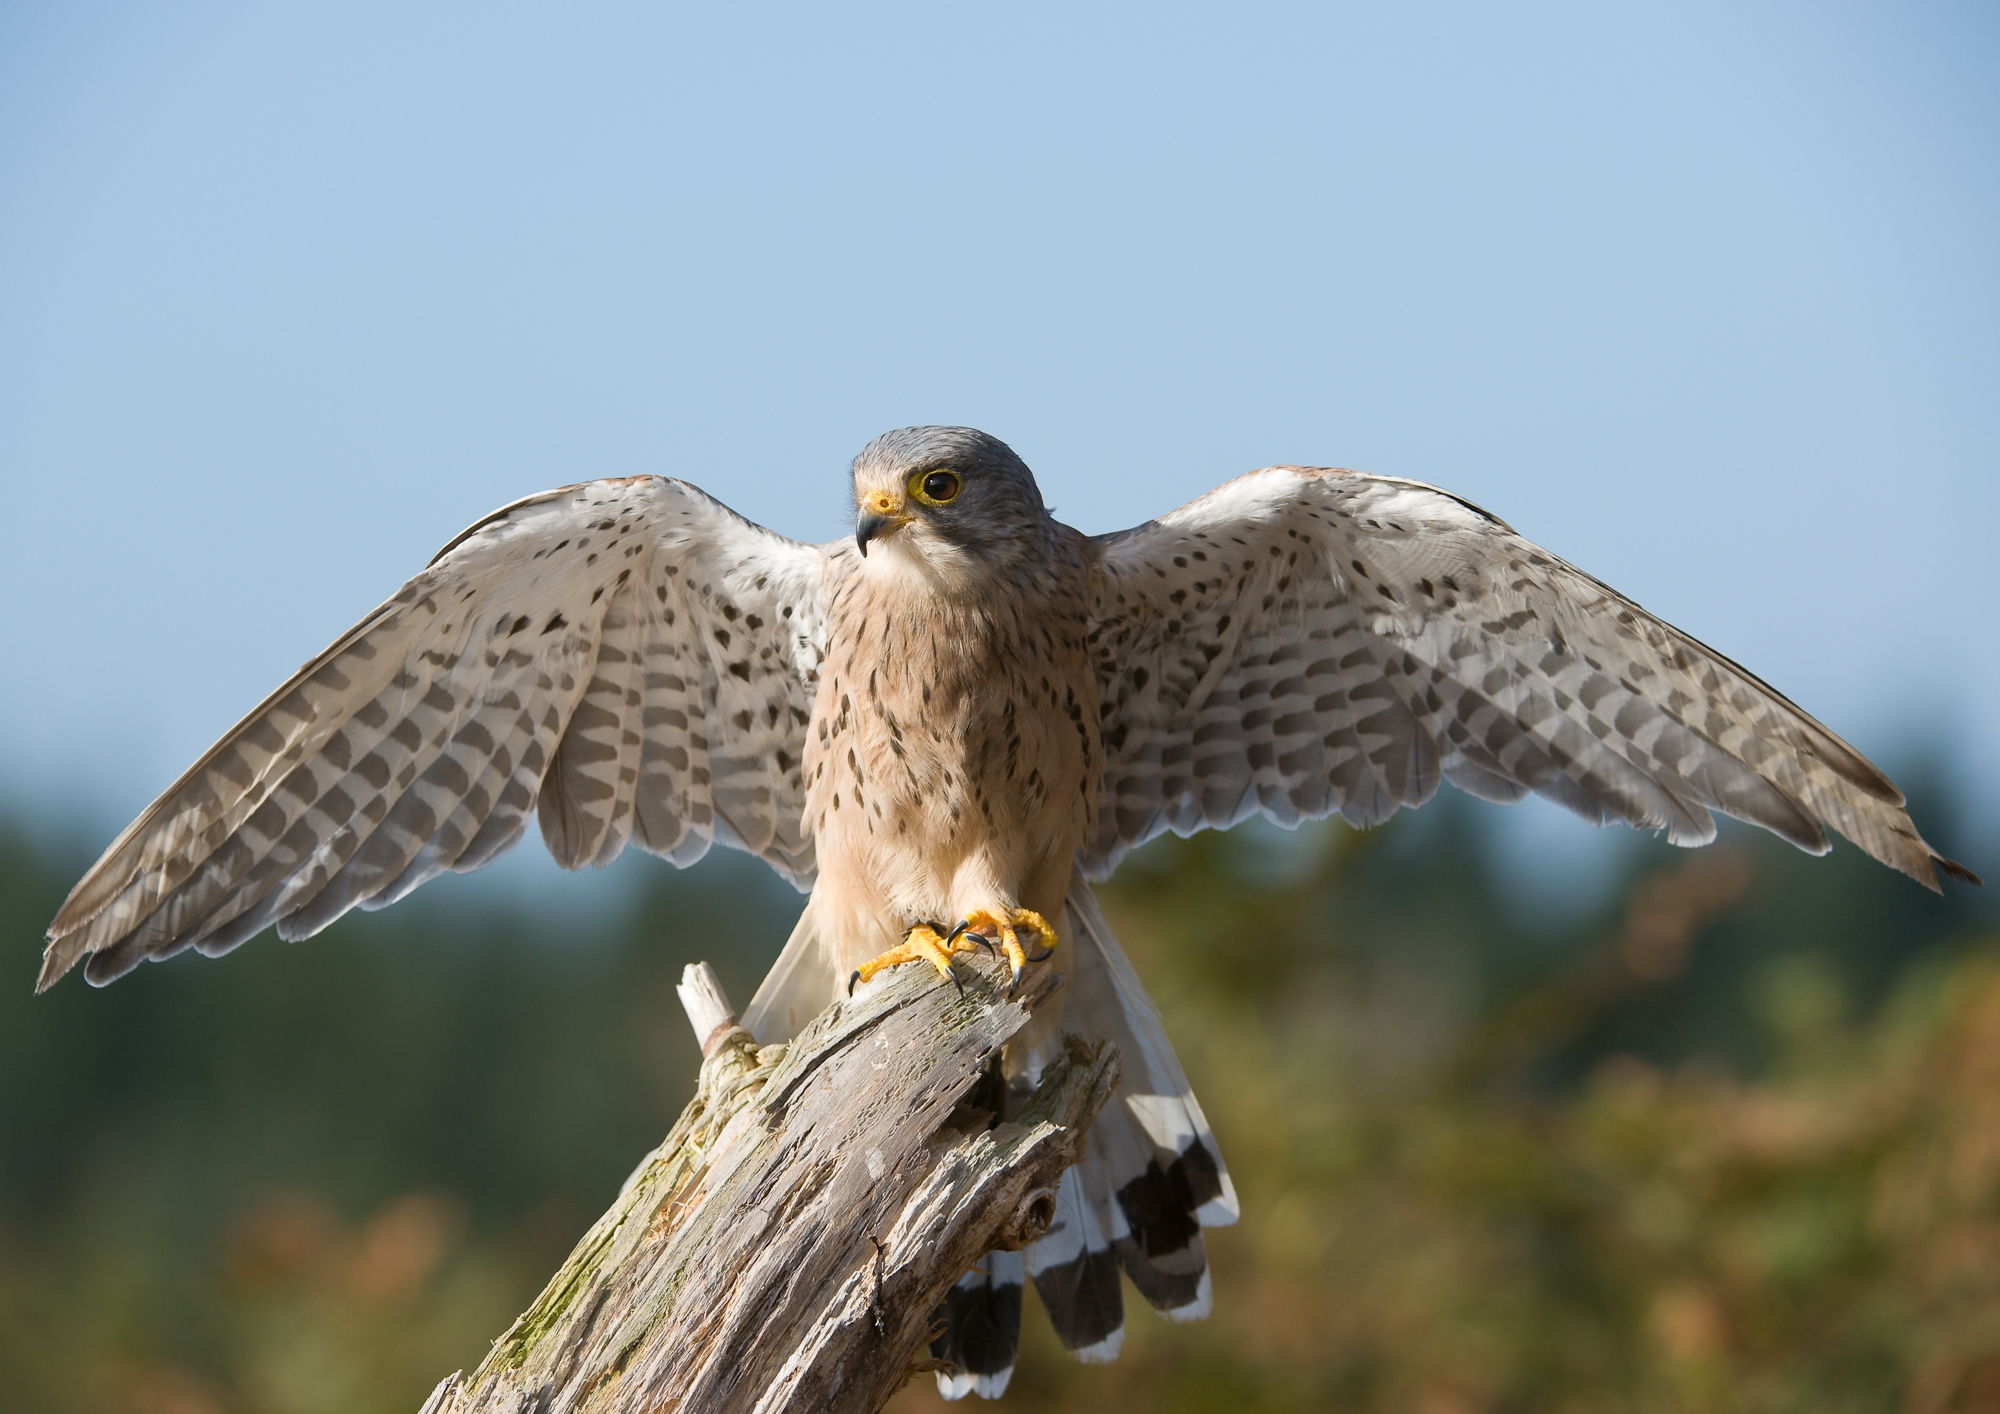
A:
{"points": [[1705, 298]]}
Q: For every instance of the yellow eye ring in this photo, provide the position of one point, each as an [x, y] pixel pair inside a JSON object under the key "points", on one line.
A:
{"points": [[935, 487]]}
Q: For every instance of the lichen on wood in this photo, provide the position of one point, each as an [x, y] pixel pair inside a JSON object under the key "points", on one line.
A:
{"points": [[788, 1244]]}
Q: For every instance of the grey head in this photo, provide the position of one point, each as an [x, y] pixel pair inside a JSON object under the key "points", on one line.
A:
{"points": [[949, 500]]}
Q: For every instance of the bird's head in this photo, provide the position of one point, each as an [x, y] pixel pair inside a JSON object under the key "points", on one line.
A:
{"points": [[949, 501]]}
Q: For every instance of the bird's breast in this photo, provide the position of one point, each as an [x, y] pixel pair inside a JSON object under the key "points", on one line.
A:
{"points": [[952, 742]]}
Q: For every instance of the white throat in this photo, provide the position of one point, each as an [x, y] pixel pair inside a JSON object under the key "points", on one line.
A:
{"points": [[902, 557]]}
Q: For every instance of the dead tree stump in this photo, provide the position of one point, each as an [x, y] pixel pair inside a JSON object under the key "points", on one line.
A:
{"points": [[786, 1247]]}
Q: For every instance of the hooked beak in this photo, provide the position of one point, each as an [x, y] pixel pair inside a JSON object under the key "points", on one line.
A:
{"points": [[879, 515]]}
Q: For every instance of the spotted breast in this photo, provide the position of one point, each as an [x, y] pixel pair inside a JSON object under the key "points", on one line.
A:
{"points": [[954, 756]]}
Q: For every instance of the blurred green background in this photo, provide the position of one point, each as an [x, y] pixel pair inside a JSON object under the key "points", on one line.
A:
{"points": [[1723, 1137], [1701, 296]]}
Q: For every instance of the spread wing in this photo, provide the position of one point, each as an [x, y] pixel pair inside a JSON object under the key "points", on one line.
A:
{"points": [[1305, 640], [631, 656]]}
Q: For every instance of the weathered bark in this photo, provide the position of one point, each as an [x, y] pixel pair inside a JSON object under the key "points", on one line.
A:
{"points": [[786, 1247]]}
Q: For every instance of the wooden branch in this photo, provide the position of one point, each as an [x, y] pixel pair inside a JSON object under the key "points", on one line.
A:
{"points": [[787, 1246]]}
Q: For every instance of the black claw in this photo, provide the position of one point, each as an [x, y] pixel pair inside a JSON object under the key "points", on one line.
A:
{"points": [[1043, 956], [964, 927], [852, 978]]}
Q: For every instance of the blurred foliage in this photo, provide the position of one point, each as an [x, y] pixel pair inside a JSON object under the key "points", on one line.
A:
{"points": [[320, 1178], [1729, 1140]]}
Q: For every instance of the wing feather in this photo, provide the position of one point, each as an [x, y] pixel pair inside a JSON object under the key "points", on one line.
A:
{"points": [[620, 657], [1305, 640]]}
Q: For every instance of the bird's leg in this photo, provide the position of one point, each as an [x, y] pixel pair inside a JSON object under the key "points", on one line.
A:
{"points": [[1008, 926], [921, 943]]}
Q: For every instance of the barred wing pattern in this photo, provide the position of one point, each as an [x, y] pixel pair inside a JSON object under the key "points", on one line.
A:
{"points": [[630, 655], [1304, 640]]}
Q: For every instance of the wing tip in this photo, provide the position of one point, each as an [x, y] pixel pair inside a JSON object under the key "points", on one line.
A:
{"points": [[1953, 870], [54, 964], [92, 895]]}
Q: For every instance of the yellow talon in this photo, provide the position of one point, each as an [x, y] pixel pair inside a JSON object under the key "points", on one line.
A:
{"points": [[1008, 926], [920, 943]]}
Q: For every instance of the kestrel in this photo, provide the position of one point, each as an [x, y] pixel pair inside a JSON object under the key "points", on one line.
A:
{"points": [[943, 727]]}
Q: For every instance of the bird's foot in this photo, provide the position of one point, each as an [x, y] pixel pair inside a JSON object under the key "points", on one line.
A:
{"points": [[920, 944], [1007, 926]]}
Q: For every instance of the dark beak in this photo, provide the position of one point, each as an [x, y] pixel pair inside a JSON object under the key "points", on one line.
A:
{"points": [[868, 527]]}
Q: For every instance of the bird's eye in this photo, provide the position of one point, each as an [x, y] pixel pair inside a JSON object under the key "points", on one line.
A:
{"points": [[938, 487]]}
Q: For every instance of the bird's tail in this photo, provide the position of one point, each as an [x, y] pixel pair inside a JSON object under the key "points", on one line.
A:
{"points": [[1150, 1179], [797, 988]]}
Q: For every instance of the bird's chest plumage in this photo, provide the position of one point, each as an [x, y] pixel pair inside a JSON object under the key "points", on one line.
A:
{"points": [[953, 757]]}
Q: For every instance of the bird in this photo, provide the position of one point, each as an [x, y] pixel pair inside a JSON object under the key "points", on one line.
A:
{"points": [[945, 728]]}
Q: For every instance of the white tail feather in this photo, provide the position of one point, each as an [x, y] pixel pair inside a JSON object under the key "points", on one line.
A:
{"points": [[1151, 1175], [797, 988]]}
